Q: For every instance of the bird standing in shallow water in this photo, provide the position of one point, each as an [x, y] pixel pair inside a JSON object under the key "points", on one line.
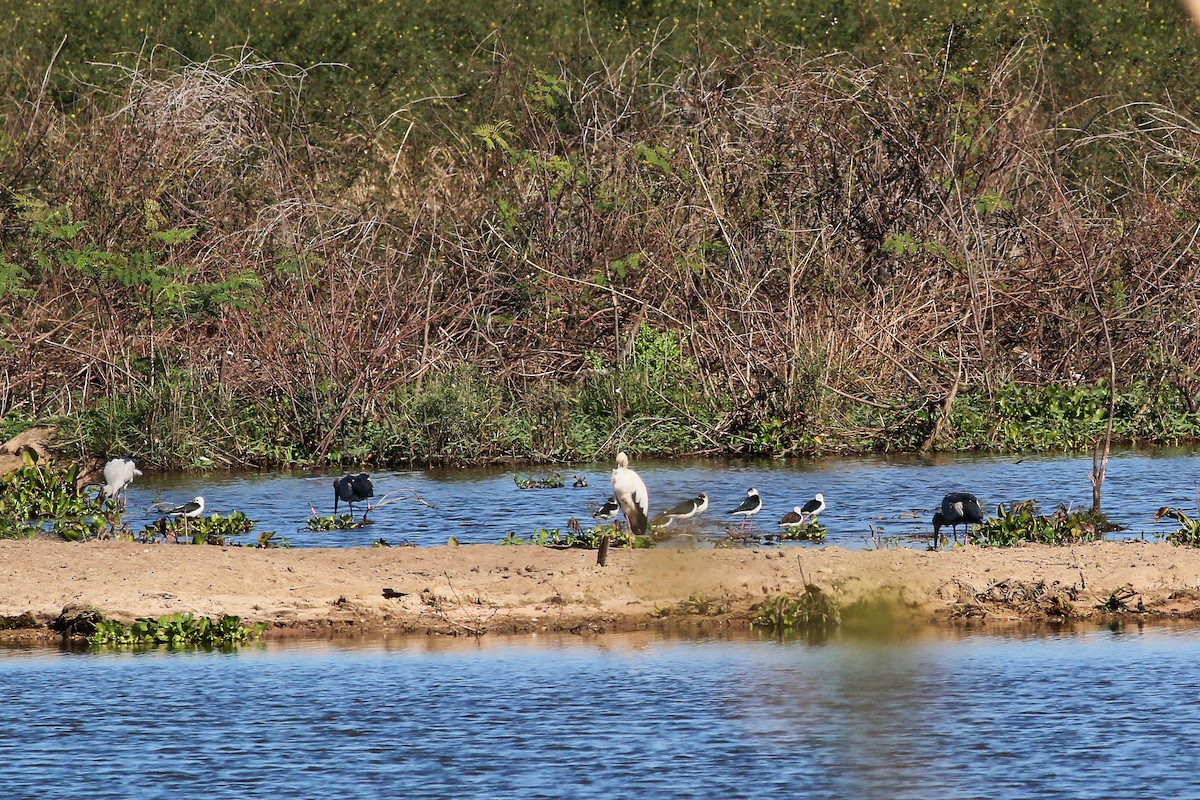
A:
{"points": [[793, 518], [192, 509], [631, 495], [352, 489], [814, 507], [748, 508], [118, 474], [608, 510], [958, 508], [685, 509]]}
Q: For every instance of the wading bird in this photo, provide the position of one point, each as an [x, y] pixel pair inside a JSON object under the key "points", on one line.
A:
{"points": [[749, 507], [685, 509], [814, 507], [352, 489], [192, 509], [608, 510], [958, 508], [118, 474], [793, 518], [630, 493]]}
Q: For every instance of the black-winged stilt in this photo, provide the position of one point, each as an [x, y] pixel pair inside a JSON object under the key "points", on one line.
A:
{"points": [[630, 493], [192, 509], [685, 509], [748, 508], [814, 507], [352, 489], [793, 518], [118, 474], [958, 508], [608, 510]]}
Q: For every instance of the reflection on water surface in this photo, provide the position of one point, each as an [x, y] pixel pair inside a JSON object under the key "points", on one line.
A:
{"points": [[933, 713]]}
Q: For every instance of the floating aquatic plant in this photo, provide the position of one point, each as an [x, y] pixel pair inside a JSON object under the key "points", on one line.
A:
{"points": [[175, 630]]}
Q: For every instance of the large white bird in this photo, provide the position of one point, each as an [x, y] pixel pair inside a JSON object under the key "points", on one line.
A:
{"points": [[118, 474], [631, 495]]}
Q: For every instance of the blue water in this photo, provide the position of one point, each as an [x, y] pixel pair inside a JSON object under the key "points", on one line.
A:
{"points": [[895, 495], [937, 714]]}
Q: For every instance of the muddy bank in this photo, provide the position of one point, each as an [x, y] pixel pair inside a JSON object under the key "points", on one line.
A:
{"points": [[491, 588]]}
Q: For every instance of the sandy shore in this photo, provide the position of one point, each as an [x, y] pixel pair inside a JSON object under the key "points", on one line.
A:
{"points": [[480, 588]]}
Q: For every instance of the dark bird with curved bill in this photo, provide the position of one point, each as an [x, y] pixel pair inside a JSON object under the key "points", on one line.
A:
{"points": [[352, 489], [958, 508], [608, 510], [630, 493], [748, 508], [686, 509]]}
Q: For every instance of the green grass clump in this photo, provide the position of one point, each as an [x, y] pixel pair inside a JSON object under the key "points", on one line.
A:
{"points": [[212, 529]]}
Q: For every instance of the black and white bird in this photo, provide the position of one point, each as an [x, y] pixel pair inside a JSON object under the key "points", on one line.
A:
{"points": [[118, 474], [685, 509], [793, 518], [608, 510], [192, 509], [630, 493], [352, 489], [958, 508], [748, 508], [814, 507]]}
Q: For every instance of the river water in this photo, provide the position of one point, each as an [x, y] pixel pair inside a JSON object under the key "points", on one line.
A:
{"points": [[1078, 713], [896, 495]]}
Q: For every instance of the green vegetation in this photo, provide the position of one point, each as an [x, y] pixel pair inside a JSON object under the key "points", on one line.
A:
{"points": [[554, 481], [36, 498], [1023, 522], [577, 537], [210, 529], [319, 232], [1188, 532], [175, 630], [812, 611], [331, 522]]}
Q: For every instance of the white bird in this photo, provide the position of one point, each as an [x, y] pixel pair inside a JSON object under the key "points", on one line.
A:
{"points": [[118, 474], [630, 493], [749, 507], [793, 518], [352, 489], [192, 509], [814, 507], [608, 510], [685, 509]]}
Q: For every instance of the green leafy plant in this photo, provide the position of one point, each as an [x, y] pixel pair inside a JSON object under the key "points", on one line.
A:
{"points": [[340, 522], [576, 537], [212, 529], [554, 481], [37, 497], [812, 610], [1023, 522], [1188, 532], [175, 630]]}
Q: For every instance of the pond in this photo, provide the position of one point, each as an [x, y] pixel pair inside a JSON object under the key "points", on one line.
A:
{"points": [[937, 713], [896, 495]]}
